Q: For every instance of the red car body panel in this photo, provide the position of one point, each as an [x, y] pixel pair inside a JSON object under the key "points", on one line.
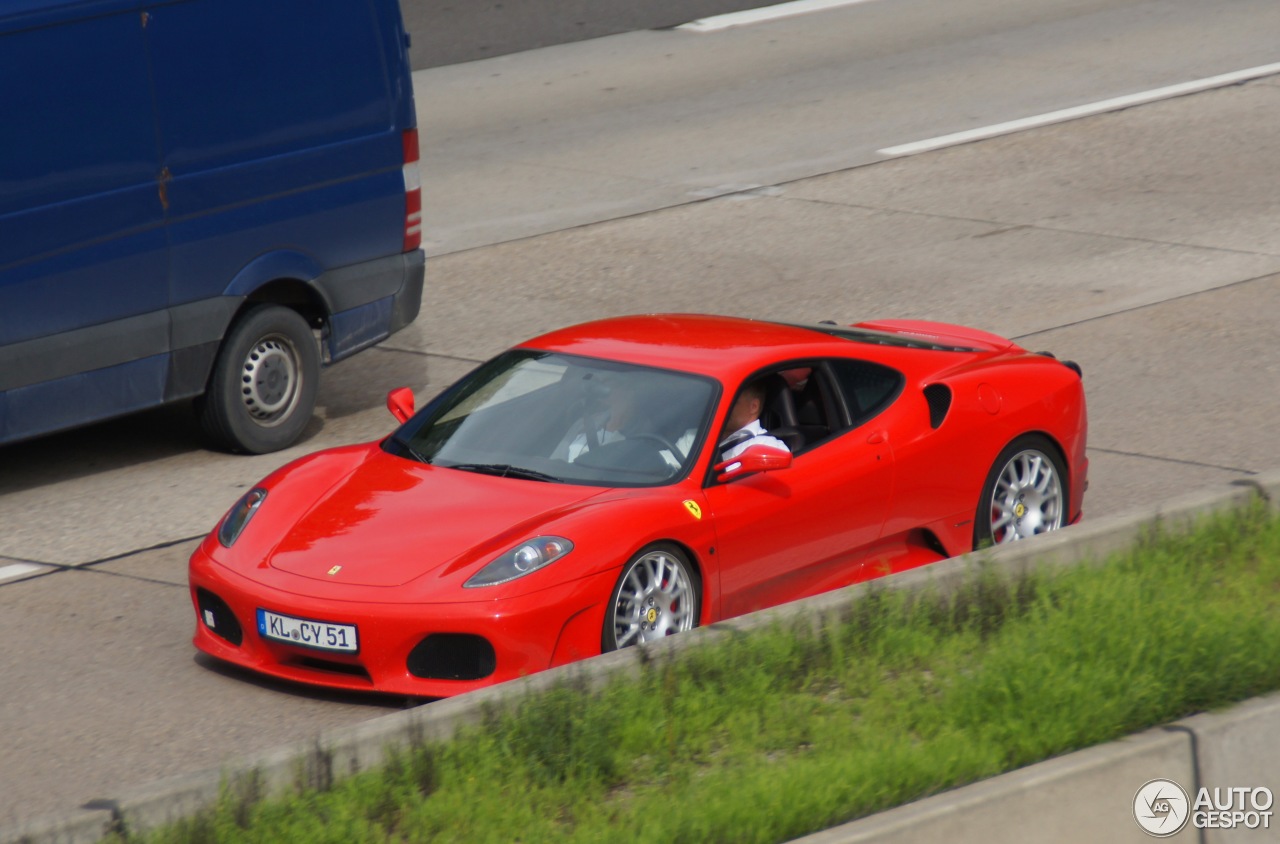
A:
{"points": [[358, 536]]}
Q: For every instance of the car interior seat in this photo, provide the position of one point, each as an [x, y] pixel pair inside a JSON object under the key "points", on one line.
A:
{"points": [[812, 413], [779, 416]]}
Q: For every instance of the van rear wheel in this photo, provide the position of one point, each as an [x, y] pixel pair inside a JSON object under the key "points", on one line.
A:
{"points": [[263, 388]]}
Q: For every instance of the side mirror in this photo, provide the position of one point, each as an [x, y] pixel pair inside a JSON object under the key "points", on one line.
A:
{"points": [[757, 458], [400, 403]]}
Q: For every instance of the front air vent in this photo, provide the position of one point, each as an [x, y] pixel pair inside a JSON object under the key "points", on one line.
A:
{"points": [[452, 656], [218, 617], [328, 666], [939, 398]]}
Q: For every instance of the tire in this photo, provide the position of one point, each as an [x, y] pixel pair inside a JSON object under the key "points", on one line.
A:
{"points": [[658, 594], [1025, 493], [263, 388]]}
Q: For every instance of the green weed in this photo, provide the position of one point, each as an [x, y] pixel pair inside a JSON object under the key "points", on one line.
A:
{"points": [[771, 735]]}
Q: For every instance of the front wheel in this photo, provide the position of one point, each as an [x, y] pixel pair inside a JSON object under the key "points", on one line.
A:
{"points": [[657, 595], [1025, 493], [263, 388]]}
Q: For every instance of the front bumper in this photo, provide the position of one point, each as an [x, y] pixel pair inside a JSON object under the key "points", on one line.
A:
{"points": [[527, 633]]}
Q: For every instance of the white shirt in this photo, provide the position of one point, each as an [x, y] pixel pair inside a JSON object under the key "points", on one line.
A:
{"points": [[579, 443], [748, 435]]}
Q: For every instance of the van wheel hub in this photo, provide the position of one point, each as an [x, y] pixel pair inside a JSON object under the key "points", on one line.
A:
{"points": [[269, 382]]}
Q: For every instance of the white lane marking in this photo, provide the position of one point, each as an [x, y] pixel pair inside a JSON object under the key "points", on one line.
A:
{"points": [[1065, 114], [765, 13], [18, 570]]}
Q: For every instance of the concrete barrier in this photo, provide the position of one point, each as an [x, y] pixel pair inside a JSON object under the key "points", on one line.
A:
{"points": [[1239, 748], [1084, 796], [1088, 796], [80, 828]]}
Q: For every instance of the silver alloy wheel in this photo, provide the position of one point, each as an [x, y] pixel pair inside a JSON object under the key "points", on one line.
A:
{"points": [[1027, 498], [655, 598], [271, 380]]}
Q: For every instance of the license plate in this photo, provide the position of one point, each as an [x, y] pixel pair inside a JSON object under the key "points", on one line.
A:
{"points": [[312, 634]]}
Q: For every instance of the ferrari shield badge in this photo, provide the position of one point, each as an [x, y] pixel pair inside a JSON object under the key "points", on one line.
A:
{"points": [[333, 571], [693, 508]]}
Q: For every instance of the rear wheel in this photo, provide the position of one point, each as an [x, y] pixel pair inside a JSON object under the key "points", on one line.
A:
{"points": [[657, 595], [1025, 493], [263, 388]]}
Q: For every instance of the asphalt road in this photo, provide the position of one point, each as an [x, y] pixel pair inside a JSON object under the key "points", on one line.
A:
{"points": [[453, 31], [736, 172]]}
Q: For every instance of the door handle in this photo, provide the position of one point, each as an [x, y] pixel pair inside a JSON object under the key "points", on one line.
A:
{"points": [[877, 437]]}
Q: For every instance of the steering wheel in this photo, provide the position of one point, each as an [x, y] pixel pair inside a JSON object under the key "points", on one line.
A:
{"points": [[660, 440]]}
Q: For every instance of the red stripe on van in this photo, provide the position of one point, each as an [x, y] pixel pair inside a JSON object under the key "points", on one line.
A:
{"points": [[412, 192]]}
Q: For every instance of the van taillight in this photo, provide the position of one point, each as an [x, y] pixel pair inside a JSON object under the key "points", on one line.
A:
{"points": [[412, 192]]}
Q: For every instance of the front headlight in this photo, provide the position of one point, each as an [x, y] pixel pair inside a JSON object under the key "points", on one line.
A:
{"points": [[521, 560], [239, 516]]}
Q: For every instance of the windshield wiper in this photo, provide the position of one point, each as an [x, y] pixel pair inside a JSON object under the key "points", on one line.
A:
{"points": [[506, 470], [409, 450]]}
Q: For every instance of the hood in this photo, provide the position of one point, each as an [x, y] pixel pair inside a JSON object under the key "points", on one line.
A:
{"points": [[386, 520]]}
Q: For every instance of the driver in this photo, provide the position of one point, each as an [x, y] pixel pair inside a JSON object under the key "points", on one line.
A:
{"points": [[744, 421], [605, 425], [621, 413]]}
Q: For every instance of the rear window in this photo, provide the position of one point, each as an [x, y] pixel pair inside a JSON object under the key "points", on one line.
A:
{"points": [[868, 388]]}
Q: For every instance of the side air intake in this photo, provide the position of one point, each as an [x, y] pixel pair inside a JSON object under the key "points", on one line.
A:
{"points": [[939, 398]]}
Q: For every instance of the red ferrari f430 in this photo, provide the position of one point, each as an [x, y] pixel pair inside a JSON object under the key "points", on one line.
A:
{"points": [[623, 480]]}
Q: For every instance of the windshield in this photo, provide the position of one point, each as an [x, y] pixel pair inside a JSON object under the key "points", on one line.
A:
{"points": [[555, 417]]}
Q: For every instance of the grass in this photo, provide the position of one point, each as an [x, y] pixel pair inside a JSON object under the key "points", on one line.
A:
{"points": [[781, 732]]}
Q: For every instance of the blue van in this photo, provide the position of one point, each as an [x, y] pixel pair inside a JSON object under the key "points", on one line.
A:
{"points": [[202, 199]]}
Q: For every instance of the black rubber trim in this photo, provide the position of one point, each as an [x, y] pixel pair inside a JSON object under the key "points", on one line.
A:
{"points": [[359, 284], [408, 301], [192, 331], [113, 343], [83, 350]]}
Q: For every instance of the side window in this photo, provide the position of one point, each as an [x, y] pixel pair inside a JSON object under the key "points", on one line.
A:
{"points": [[808, 403], [797, 406], [867, 388]]}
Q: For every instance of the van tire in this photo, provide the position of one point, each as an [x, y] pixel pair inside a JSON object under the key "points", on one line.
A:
{"points": [[263, 388]]}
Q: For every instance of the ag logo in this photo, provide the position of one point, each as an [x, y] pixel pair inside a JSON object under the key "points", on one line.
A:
{"points": [[1161, 808], [693, 508]]}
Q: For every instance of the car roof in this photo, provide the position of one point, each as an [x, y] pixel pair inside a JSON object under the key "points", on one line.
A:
{"points": [[728, 347]]}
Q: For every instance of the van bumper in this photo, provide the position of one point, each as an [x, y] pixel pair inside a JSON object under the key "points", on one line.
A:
{"points": [[370, 301]]}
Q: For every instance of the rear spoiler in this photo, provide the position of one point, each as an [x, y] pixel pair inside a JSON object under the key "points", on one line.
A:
{"points": [[1069, 364]]}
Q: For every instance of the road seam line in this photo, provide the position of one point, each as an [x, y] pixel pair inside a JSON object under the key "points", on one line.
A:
{"points": [[778, 11], [16, 570], [1101, 107]]}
